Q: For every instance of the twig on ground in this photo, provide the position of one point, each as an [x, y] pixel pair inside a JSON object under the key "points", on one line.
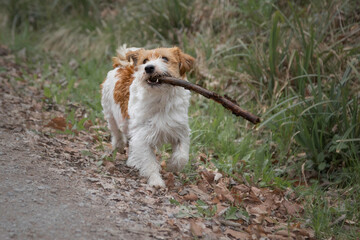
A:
{"points": [[225, 101], [303, 173], [229, 223], [338, 220]]}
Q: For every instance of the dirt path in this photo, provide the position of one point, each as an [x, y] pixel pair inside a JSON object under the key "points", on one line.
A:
{"points": [[39, 201]]}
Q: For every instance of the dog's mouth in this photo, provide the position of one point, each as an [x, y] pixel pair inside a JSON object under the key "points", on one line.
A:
{"points": [[154, 80]]}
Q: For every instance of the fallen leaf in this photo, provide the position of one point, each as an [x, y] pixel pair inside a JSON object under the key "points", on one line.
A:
{"points": [[270, 220], [304, 232], [106, 186], [236, 234], [93, 179], [215, 200], [190, 197], [172, 223], [196, 228], [285, 233], [277, 237], [292, 208], [201, 194], [256, 191], [217, 176], [170, 180], [204, 186], [110, 167], [258, 210], [350, 222], [87, 124], [220, 209], [222, 192], [216, 229], [163, 165], [58, 123], [203, 158], [208, 176]]}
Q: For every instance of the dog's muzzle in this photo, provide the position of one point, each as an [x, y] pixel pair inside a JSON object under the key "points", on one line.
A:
{"points": [[153, 80], [153, 77]]}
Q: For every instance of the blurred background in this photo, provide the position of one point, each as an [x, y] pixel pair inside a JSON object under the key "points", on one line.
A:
{"points": [[294, 63]]}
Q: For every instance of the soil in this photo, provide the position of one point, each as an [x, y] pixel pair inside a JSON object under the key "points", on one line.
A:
{"points": [[40, 201]]}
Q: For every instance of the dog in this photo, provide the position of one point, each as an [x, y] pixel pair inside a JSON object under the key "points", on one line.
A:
{"points": [[146, 113]]}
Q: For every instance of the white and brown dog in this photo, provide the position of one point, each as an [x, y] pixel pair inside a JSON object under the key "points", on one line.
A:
{"points": [[148, 113]]}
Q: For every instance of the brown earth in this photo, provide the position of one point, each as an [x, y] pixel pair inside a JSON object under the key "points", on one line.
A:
{"points": [[60, 183]]}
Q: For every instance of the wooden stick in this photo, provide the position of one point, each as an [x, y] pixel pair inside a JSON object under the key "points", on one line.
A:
{"points": [[225, 101]]}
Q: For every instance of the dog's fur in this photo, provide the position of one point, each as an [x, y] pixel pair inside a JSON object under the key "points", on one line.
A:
{"points": [[147, 113]]}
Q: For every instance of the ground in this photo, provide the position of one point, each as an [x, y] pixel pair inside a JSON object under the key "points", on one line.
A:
{"points": [[53, 186], [40, 201], [42, 197]]}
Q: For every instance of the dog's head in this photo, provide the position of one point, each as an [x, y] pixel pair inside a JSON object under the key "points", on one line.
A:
{"points": [[152, 64]]}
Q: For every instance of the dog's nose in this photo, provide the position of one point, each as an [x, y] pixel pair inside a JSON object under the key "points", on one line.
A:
{"points": [[150, 69]]}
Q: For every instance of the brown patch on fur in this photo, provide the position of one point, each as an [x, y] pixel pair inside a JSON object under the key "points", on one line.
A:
{"points": [[133, 56], [116, 62], [122, 88]]}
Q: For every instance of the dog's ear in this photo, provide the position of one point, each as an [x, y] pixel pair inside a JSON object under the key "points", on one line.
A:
{"points": [[186, 62], [116, 62], [133, 56]]}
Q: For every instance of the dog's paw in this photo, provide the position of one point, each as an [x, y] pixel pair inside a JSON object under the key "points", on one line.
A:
{"points": [[156, 181], [118, 144]]}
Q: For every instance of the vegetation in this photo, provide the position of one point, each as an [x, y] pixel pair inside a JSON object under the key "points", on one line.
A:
{"points": [[294, 63]]}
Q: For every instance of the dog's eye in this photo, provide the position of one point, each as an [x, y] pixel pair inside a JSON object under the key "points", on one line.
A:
{"points": [[165, 59], [145, 61]]}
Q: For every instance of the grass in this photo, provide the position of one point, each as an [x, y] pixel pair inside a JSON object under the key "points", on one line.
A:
{"points": [[295, 63]]}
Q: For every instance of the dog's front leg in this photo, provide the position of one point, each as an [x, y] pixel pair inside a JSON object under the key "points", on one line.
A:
{"points": [[142, 157], [180, 155]]}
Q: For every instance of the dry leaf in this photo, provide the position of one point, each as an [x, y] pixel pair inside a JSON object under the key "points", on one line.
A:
{"points": [[203, 158], [106, 186], [258, 210], [222, 192], [170, 180], [190, 197], [163, 164], [304, 232], [110, 167], [292, 208], [285, 233], [237, 235], [208, 176], [217, 176], [216, 229], [87, 124], [220, 209], [201, 194], [196, 228], [58, 123], [256, 191], [204, 186]]}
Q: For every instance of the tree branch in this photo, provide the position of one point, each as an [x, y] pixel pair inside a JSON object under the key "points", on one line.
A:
{"points": [[225, 101]]}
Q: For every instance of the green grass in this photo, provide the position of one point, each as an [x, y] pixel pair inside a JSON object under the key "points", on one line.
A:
{"points": [[295, 63]]}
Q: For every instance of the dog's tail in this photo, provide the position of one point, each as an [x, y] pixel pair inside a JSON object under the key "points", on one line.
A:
{"points": [[120, 59]]}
